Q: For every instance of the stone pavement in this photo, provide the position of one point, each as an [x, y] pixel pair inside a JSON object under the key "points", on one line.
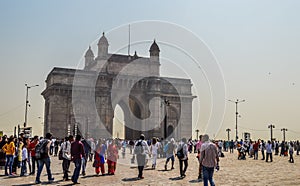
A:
{"points": [[126, 174], [232, 172]]}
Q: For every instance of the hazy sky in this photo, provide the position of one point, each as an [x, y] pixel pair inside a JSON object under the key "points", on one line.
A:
{"points": [[255, 42]]}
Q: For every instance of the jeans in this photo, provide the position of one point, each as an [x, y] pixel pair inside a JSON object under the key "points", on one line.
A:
{"points": [[41, 163], [23, 168], [29, 162], [9, 163], [84, 161], [255, 154], [34, 160], [77, 163], [208, 173]]}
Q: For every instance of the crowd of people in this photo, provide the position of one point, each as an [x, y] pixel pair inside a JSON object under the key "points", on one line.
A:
{"points": [[29, 155], [267, 149]]}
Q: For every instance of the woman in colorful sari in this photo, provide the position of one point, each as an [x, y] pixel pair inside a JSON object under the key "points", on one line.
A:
{"points": [[112, 156], [100, 157]]}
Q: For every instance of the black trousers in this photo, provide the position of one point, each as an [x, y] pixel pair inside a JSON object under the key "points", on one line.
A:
{"points": [[267, 158], [65, 166], [263, 154], [141, 159], [183, 170]]}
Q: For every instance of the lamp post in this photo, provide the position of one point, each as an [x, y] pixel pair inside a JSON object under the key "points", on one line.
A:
{"points": [[166, 103], [228, 130], [236, 116], [27, 102], [197, 132], [283, 130], [271, 128]]}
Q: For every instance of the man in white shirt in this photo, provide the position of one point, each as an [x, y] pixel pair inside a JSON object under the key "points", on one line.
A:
{"points": [[141, 149], [66, 151]]}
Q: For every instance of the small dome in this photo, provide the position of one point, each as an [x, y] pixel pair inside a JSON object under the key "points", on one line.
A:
{"points": [[154, 47], [89, 53], [103, 40]]}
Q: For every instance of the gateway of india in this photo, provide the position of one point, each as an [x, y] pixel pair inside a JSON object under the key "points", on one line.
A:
{"points": [[82, 101]]}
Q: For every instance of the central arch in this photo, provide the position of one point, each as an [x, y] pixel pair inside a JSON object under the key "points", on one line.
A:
{"points": [[118, 129], [136, 110]]}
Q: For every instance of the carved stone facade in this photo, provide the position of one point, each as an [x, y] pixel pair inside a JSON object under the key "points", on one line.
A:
{"points": [[87, 98]]}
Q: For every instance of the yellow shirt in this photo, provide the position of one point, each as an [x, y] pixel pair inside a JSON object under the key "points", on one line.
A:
{"points": [[10, 148]]}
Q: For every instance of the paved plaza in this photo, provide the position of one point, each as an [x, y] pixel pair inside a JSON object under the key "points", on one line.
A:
{"points": [[232, 172]]}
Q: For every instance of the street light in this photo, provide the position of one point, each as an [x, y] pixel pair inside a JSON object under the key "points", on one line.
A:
{"points": [[236, 116], [283, 130], [27, 102], [166, 103], [271, 128], [228, 130]]}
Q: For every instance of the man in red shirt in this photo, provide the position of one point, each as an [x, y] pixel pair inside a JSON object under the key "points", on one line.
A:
{"points": [[31, 148], [255, 149], [77, 153]]}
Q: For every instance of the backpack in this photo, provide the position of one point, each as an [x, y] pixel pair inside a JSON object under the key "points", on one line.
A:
{"points": [[179, 153], [139, 149], [41, 149]]}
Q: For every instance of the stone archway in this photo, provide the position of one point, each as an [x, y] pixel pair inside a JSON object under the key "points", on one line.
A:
{"points": [[133, 107]]}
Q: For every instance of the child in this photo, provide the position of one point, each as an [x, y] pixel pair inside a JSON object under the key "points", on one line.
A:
{"points": [[24, 160]]}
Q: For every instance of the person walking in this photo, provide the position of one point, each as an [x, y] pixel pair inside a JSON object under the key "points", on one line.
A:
{"points": [[154, 151], [269, 151], [141, 149], [209, 159], [77, 153], [9, 149], [112, 157], [198, 147], [87, 149], [170, 152], [45, 160], [182, 155], [66, 153]]}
